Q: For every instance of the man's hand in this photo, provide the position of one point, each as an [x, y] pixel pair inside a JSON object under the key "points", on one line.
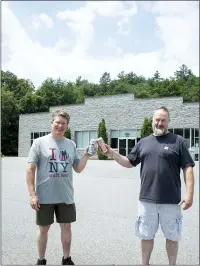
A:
{"points": [[87, 155], [110, 151], [81, 165], [187, 203], [35, 204]]}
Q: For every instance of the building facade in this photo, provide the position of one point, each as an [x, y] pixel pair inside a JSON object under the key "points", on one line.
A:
{"points": [[124, 116]]}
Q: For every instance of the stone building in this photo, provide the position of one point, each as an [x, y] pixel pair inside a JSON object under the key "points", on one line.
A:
{"points": [[124, 116]]}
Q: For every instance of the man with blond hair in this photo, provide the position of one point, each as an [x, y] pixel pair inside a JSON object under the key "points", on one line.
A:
{"points": [[54, 157], [161, 156]]}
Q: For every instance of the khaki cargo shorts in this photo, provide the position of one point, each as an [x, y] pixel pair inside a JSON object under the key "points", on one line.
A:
{"points": [[151, 215], [65, 213]]}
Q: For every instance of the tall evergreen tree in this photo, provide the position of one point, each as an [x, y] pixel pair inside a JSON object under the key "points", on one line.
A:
{"points": [[68, 133], [102, 132], [146, 129]]}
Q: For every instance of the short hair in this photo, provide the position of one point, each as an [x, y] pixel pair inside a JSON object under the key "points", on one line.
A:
{"points": [[164, 109], [62, 113]]}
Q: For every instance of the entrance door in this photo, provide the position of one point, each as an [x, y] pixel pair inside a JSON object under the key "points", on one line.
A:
{"points": [[122, 147], [126, 145], [131, 144]]}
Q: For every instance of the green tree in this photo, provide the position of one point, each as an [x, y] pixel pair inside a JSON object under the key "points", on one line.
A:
{"points": [[121, 75], [133, 79], [80, 97], [190, 90], [183, 73], [68, 133], [105, 78], [102, 132], [157, 76], [32, 103], [146, 129], [9, 123], [18, 86]]}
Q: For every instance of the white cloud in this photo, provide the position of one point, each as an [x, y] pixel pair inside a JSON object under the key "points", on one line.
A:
{"points": [[113, 8], [68, 59], [123, 27], [112, 46], [36, 24], [178, 28], [42, 19], [46, 19], [172, 8], [63, 46], [80, 20]]}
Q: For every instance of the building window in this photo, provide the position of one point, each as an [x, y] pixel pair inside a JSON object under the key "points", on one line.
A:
{"points": [[82, 138], [114, 139], [123, 134], [114, 143], [128, 133], [178, 131], [35, 135], [196, 137], [186, 135], [191, 135]]}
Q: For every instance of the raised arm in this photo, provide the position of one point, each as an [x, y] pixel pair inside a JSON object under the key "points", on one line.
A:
{"points": [[120, 159], [79, 167]]}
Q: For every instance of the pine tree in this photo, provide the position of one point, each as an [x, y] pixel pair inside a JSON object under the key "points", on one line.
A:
{"points": [[68, 134], [102, 133], [146, 129]]}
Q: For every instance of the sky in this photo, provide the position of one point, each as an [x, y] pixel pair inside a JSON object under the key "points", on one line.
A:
{"points": [[67, 39]]}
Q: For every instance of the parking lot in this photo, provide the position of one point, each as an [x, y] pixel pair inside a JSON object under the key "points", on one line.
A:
{"points": [[106, 197]]}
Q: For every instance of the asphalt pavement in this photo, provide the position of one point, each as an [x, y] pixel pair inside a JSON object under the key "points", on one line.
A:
{"points": [[106, 197]]}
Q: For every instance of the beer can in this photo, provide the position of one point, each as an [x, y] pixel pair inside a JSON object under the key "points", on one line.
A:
{"points": [[101, 144], [93, 146]]}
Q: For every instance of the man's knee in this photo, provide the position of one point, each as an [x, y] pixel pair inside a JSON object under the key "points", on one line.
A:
{"points": [[44, 229], [65, 227]]}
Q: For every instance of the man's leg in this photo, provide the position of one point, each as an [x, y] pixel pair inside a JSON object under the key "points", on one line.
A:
{"points": [[66, 237], [171, 225], [42, 238], [65, 215], [146, 227], [147, 248], [172, 251], [44, 219]]}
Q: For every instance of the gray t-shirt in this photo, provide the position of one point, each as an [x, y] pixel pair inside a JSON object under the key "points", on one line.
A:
{"points": [[161, 159], [54, 160]]}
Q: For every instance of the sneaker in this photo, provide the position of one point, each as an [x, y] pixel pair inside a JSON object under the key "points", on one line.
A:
{"points": [[67, 261], [41, 262]]}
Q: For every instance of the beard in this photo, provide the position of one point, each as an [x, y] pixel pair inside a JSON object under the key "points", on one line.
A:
{"points": [[159, 131]]}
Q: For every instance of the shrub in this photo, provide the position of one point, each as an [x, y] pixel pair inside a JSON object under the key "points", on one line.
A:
{"points": [[146, 129], [68, 134], [102, 132]]}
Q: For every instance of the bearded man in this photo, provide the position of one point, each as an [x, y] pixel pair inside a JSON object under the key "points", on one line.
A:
{"points": [[162, 155]]}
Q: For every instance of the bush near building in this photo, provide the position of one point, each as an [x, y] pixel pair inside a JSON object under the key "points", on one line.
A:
{"points": [[146, 129], [68, 134], [102, 132]]}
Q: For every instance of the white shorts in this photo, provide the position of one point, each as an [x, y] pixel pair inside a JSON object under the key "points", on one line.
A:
{"points": [[150, 215]]}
